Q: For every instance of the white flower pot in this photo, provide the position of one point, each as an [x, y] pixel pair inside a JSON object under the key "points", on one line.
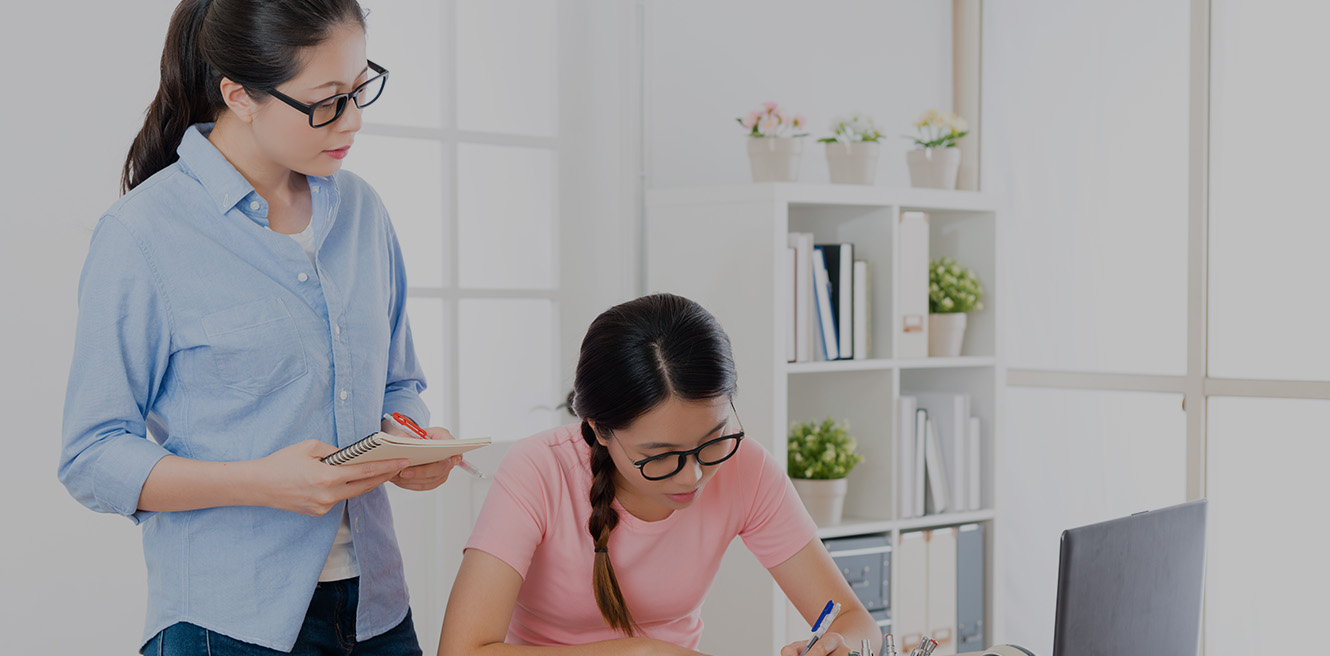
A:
{"points": [[824, 499], [775, 159], [946, 334], [854, 162], [934, 167]]}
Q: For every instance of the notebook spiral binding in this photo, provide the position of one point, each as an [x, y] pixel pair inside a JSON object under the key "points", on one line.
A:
{"points": [[343, 456]]}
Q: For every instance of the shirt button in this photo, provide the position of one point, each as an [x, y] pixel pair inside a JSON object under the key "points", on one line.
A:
{"points": [[253, 204], [314, 188], [302, 277], [337, 330], [345, 394]]}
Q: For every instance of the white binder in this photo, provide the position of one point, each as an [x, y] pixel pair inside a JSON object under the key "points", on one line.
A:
{"points": [[802, 242], [912, 255], [911, 606], [941, 620]]}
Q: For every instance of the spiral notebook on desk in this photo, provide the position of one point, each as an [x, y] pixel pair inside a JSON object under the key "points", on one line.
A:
{"points": [[385, 446]]}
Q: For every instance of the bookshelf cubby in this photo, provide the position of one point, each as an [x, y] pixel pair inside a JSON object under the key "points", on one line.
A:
{"points": [[722, 246]]}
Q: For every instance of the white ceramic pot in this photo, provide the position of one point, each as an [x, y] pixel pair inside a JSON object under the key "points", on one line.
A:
{"points": [[775, 159], [946, 334], [824, 499], [854, 162], [934, 167]]}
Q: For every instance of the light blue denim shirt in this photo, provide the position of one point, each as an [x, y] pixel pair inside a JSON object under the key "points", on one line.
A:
{"points": [[203, 334]]}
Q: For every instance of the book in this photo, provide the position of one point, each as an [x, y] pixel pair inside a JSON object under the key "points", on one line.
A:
{"points": [[861, 310], [805, 339], [826, 319], [973, 462], [912, 253], [935, 470], [385, 446], [791, 314], [905, 455], [950, 413], [839, 260], [920, 438]]}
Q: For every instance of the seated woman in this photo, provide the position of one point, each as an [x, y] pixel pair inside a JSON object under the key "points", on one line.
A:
{"points": [[604, 537]]}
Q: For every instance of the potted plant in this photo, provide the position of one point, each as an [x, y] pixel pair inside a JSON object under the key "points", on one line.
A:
{"points": [[937, 160], [953, 291], [819, 457], [775, 143], [852, 149]]}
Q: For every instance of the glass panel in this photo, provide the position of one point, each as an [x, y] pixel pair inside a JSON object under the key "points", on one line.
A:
{"points": [[506, 217], [1090, 150], [429, 334], [507, 69], [1267, 168], [1069, 458], [1266, 569], [409, 177], [508, 368], [404, 37]]}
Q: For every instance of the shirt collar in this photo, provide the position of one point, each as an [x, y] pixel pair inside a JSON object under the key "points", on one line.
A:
{"points": [[222, 181]]}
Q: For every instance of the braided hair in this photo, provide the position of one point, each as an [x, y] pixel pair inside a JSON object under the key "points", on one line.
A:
{"points": [[634, 357]]}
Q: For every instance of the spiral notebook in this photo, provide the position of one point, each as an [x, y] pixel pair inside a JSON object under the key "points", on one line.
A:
{"points": [[384, 446]]}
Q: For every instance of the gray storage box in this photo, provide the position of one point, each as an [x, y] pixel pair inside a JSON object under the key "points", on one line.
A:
{"points": [[865, 562]]}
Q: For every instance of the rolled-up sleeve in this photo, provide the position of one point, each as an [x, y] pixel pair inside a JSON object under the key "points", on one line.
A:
{"points": [[121, 351], [406, 378]]}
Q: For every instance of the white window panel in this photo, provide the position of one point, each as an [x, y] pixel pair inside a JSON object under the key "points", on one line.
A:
{"points": [[1090, 149], [430, 336], [403, 37], [408, 175], [507, 66], [1072, 458], [507, 367], [506, 217], [1268, 225], [1266, 566]]}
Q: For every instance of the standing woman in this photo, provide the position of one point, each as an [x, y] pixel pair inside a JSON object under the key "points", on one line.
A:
{"points": [[241, 315], [603, 537]]}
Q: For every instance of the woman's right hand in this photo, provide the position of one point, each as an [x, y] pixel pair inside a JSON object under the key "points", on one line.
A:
{"points": [[294, 479]]}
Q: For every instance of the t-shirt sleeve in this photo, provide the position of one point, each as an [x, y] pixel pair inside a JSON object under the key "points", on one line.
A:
{"points": [[776, 525], [517, 508]]}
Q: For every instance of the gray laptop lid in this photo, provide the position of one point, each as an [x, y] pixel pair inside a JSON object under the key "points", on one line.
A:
{"points": [[1132, 585]]}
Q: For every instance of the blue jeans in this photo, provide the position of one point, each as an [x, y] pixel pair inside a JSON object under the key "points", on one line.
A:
{"points": [[329, 628]]}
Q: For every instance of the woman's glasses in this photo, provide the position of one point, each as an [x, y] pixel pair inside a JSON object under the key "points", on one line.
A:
{"points": [[713, 452], [328, 110]]}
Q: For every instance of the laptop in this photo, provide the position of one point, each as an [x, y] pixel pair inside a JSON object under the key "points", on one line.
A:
{"points": [[1133, 585]]}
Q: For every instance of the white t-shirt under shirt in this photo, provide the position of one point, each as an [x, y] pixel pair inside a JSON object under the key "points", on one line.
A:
{"points": [[341, 563]]}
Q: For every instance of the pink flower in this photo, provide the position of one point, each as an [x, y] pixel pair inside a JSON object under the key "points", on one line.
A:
{"points": [[770, 106], [799, 121], [751, 120], [768, 126], [782, 116]]}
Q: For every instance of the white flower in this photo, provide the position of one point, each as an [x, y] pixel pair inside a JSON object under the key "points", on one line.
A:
{"points": [[768, 126]]}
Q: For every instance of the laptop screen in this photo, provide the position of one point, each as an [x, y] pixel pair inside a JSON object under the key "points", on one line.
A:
{"points": [[1133, 585]]}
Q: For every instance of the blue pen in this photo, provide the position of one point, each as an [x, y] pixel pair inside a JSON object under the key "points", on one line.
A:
{"points": [[824, 621]]}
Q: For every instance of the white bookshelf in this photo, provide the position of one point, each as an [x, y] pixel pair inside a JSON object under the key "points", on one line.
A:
{"points": [[723, 246]]}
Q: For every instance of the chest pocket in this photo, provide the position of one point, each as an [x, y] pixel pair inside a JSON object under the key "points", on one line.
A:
{"points": [[256, 346]]}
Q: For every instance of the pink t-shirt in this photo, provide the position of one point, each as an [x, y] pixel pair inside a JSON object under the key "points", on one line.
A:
{"points": [[535, 519]]}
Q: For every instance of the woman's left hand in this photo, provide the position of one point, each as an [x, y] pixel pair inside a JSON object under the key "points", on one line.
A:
{"points": [[429, 476], [828, 644]]}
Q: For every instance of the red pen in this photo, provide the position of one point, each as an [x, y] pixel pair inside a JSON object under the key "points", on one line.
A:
{"points": [[411, 427]]}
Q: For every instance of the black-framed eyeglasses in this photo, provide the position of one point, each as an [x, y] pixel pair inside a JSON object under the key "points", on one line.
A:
{"points": [[328, 110], [712, 452]]}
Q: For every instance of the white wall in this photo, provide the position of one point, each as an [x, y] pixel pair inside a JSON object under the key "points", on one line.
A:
{"points": [[85, 77], [710, 62]]}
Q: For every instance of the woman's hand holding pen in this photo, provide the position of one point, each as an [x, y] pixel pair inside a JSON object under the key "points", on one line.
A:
{"points": [[425, 477], [827, 644], [294, 479]]}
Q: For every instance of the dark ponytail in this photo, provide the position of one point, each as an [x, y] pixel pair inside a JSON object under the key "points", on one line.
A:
{"points": [[252, 42], [636, 356]]}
